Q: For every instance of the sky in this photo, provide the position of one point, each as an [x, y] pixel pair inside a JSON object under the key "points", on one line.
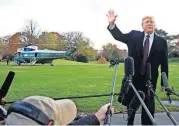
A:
{"points": [[87, 16]]}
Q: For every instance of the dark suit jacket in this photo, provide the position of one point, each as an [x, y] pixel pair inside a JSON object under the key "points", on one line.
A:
{"points": [[158, 53]]}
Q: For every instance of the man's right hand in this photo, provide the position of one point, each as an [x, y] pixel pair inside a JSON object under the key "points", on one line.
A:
{"points": [[111, 17]]}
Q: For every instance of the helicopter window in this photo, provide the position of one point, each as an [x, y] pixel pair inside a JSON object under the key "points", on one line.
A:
{"points": [[28, 49]]}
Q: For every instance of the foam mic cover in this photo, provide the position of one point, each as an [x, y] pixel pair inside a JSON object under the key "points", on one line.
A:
{"points": [[129, 66], [7, 83], [164, 79], [123, 91], [149, 71], [135, 103]]}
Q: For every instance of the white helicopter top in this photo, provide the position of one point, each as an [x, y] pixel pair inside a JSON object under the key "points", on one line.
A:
{"points": [[28, 48], [34, 48]]}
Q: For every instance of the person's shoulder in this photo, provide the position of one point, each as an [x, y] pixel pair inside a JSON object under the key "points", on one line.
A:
{"points": [[136, 33], [161, 39]]}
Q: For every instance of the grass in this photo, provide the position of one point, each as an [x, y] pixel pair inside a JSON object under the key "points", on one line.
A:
{"points": [[68, 78]]}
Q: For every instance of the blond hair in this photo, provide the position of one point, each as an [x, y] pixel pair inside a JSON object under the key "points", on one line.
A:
{"points": [[148, 17]]}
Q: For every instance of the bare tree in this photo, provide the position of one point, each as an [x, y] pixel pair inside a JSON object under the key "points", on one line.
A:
{"points": [[83, 44], [30, 32], [73, 38]]}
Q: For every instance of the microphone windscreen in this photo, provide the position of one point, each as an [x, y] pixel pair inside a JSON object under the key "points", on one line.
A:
{"points": [[135, 103], [164, 79], [123, 90], [129, 66], [149, 71], [7, 83]]}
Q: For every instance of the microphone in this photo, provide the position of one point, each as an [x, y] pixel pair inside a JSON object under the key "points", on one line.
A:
{"points": [[165, 84], [113, 62], [123, 91], [149, 71], [129, 72], [148, 84], [135, 104], [6, 85], [129, 66]]}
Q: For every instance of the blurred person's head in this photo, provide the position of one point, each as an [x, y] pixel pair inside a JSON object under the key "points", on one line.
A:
{"points": [[148, 24], [40, 110]]}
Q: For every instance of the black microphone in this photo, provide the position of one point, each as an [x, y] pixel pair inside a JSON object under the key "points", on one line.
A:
{"points": [[165, 84], [129, 72], [148, 84], [135, 104], [149, 71], [123, 91], [113, 62], [129, 66], [6, 85]]}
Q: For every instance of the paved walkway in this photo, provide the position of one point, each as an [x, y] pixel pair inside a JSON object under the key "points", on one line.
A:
{"points": [[160, 118]]}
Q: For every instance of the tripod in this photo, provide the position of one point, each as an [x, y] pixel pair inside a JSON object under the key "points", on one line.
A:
{"points": [[150, 88], [113, 63], [171, 92], [142, 103]]}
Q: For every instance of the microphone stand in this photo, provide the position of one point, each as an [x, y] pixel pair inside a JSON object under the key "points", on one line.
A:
{"points": [[171, 92], [107, 120], [129, 78], [149, 85]]}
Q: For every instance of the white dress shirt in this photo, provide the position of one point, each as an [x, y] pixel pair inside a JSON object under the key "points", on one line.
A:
{"points": [[151, 39]]}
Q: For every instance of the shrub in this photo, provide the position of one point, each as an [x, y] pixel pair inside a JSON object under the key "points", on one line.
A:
{"points": [[102, 60], [82, 58], [97, 57]]}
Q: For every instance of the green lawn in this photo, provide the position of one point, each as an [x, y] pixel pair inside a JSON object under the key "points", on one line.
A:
{"points": [[67, 78]]}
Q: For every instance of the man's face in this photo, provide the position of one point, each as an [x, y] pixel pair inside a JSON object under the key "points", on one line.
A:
{"points": [[148, 25]]}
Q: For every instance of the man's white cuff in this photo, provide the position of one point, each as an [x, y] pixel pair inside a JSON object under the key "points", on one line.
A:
{"points": [[111, 27]]}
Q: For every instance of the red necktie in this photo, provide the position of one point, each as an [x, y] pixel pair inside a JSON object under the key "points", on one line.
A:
{"points": [[145, 55]]}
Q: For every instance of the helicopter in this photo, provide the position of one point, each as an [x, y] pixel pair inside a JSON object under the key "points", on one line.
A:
{"points": [[32, 55]]}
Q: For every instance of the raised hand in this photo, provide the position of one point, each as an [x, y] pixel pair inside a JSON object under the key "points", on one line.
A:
{"points": [[111, 17]]}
